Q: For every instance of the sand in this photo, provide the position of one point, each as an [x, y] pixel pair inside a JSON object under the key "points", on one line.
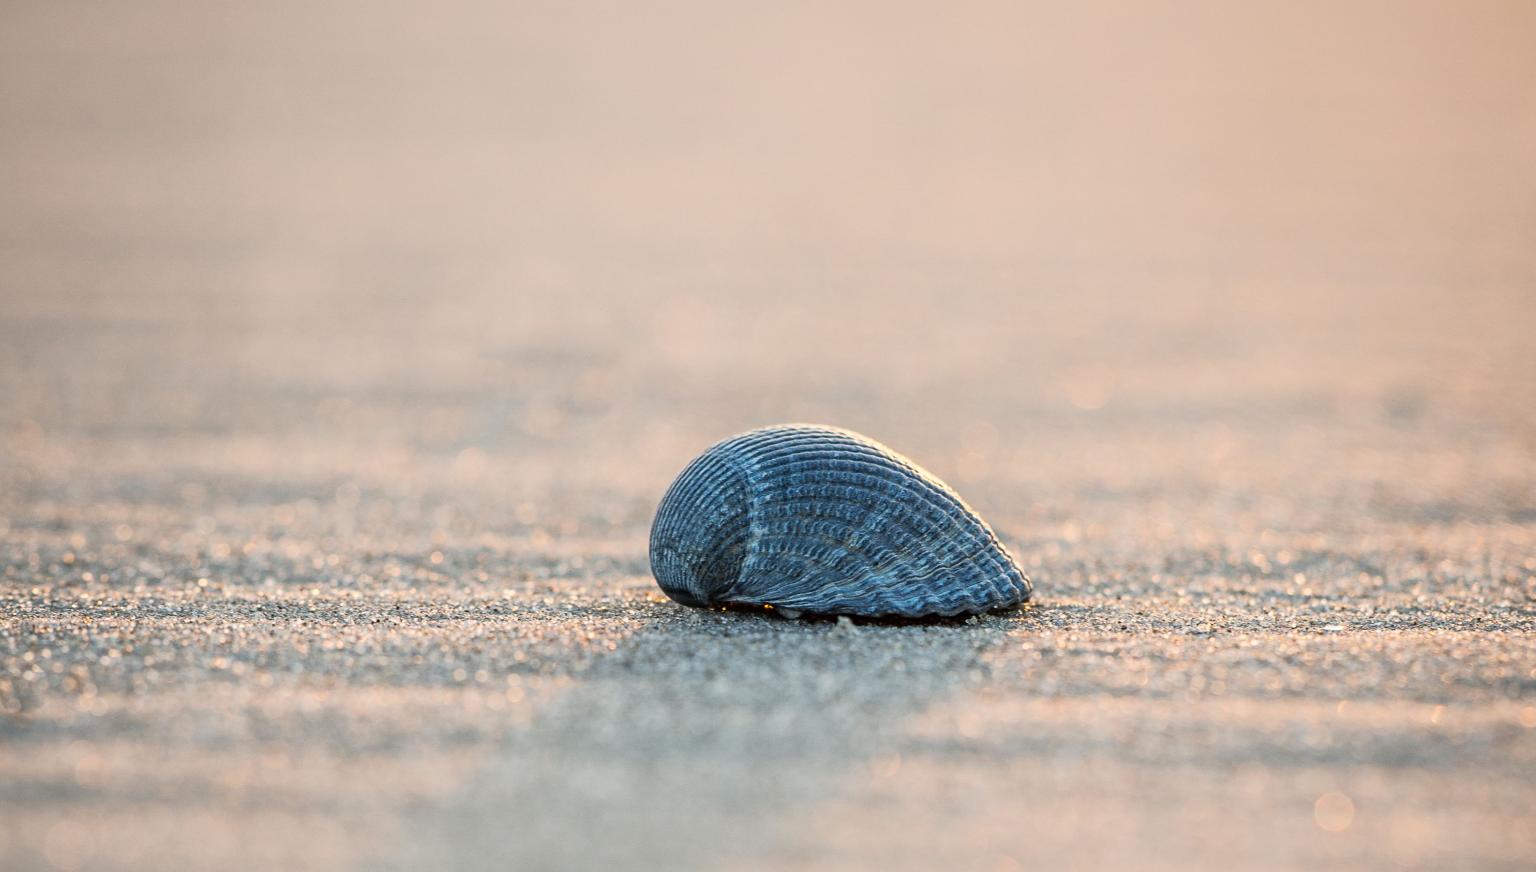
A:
{"points": [[345, 352]]}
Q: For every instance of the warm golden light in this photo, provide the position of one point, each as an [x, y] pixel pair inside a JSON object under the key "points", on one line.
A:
{"points": [[348, 348], [1334, 812]]}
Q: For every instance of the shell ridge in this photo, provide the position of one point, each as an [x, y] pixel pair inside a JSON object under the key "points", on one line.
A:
{"points": [[886, 548], [943, 504], [830, 597], [892, 591], [891, 585], [934, 486], [911, 527], [883, 567], [749, 471], [954, 514], [942, 524], [904, 600]]}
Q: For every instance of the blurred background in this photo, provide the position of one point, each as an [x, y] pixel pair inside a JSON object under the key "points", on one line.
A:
{"points": [[441, 296], [484, 226]]}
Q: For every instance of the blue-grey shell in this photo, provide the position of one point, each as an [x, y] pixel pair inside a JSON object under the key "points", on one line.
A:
{"points": [[822, 520]]}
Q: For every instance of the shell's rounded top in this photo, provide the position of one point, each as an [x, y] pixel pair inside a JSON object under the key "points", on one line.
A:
{"points": [[820, 519]]}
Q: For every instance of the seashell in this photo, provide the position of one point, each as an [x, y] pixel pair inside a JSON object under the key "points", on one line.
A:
{"points": [[816, 519]]}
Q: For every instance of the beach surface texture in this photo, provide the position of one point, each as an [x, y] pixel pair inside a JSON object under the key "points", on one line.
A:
{"points": [[347, 349]]}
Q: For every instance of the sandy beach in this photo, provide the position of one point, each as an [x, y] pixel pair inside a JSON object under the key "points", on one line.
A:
{"points": [[345, 353]]}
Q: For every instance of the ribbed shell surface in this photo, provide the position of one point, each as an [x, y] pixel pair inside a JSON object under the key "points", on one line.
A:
{"points": [[824, 520]]}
